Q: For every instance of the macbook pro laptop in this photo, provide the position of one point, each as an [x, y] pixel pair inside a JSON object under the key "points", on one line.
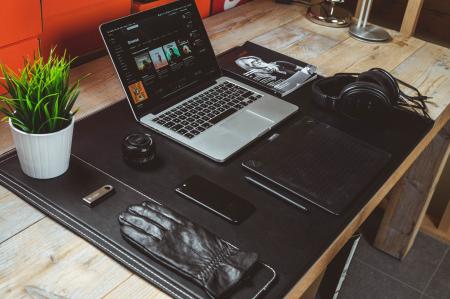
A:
{"points": [[174, 85]]}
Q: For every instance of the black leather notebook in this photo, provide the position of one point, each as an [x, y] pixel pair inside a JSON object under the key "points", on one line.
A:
{"points": [[319, 163]]}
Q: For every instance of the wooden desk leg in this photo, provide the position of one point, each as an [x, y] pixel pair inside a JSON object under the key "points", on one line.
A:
{"points": [[444, 223], [311, 292], [410, 197], [411, 17]]}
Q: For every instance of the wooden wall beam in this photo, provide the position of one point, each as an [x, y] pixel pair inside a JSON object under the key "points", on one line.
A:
{"points": [[411, 17], [410, 197]]}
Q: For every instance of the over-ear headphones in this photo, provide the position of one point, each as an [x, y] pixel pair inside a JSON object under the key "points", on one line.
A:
{"points": [[365, 94]]}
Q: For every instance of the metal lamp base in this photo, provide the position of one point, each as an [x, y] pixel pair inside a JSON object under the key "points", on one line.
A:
{"points": [[369, 33], [328, 14]]}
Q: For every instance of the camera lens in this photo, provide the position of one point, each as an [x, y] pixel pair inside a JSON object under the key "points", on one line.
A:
{"points": [[138, 149]]}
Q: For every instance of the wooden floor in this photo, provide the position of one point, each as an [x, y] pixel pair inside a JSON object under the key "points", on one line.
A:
{"points": [[41, 259]]}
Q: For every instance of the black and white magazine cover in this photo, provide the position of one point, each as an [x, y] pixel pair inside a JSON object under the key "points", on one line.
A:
{"points": [[271, 70]]}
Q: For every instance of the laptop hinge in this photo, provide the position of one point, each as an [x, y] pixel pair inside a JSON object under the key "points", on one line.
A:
{"points": [[179, 97]]}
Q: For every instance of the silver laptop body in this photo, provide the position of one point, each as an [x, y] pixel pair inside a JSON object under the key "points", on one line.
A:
{"points": [[228, 136], [233, 125]]}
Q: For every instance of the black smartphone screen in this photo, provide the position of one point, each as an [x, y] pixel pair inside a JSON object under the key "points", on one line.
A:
{"points": [[216, 199]]}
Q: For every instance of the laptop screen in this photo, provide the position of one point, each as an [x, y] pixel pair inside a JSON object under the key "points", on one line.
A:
{"points": [[160, 53]]}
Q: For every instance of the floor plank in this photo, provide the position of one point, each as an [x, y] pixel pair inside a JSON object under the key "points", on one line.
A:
{"points": [[280, 38], [303, 23], [236, 26], [3, 191], [311, 47], [294, 41], [15, 215], [6, 138], [429, 70], [100, 89], [35, 264], [135, 287], [366, 55]]}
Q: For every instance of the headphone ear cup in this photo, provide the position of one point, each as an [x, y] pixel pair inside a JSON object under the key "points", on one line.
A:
{"points": [[326, 91], [362, 99], [385, 80]]}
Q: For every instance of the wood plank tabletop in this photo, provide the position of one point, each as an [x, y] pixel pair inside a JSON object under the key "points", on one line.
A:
{"points": [[40, 258]]}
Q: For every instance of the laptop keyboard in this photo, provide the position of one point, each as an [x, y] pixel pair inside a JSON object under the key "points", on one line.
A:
{"points": [[206, 109]]}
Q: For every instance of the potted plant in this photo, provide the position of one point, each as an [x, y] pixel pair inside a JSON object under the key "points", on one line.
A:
{"points": [[38, 108]]}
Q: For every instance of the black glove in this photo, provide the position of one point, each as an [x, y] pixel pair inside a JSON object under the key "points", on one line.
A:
{"points": [[188, 248]]}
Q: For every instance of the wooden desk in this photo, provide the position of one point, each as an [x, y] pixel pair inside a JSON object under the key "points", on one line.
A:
{"points": [[41, 258]]}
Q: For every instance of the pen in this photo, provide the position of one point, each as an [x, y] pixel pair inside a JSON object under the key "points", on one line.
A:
{"points": [[275, 193]]}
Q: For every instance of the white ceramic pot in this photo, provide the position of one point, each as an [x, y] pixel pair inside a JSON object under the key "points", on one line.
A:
{"points": [[43, 156]]}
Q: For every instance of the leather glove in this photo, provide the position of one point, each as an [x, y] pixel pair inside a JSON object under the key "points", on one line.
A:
{"points": [[188, 248]]}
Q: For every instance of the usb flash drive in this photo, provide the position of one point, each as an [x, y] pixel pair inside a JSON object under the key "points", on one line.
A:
{"points": [[98, 195]]}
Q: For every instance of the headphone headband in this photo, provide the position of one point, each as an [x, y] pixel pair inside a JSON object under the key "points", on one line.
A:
{"points": [[325, 92]]}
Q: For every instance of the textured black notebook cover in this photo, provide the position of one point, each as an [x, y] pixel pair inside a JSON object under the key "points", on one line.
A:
{"points": [[319, 163]]}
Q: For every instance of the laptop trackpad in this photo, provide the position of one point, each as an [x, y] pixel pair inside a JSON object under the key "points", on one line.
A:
{"points": [[247, 124]]}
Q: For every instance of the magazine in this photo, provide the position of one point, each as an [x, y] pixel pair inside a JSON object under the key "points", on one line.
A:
{"points": [[273, 71]]}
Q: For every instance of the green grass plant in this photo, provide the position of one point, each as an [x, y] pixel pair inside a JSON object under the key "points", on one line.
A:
{"points": [[40, 97]]}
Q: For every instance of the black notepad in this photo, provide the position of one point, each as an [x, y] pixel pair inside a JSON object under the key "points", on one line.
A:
{"points": [[319, 163]]}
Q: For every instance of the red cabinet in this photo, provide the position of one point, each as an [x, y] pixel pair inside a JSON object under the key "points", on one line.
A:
{"points": [[73, 25], [21, 19], [21, 27], [13, 54], [204, 6]]}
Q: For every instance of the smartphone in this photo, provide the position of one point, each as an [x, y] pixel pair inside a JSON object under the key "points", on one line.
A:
{"points": [[255, 283], [216, 199]]}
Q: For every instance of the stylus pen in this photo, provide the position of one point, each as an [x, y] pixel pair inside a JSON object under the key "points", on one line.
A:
{"points": [[275, 193]]}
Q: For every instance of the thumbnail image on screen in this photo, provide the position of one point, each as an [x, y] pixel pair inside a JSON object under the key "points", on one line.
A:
{"points": [[137, 91], [143, 62], [172, 51], [186, 49], [158, 58]]}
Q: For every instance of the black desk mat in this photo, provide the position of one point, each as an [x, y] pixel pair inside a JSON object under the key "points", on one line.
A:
{"points": [[285, 238]]}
